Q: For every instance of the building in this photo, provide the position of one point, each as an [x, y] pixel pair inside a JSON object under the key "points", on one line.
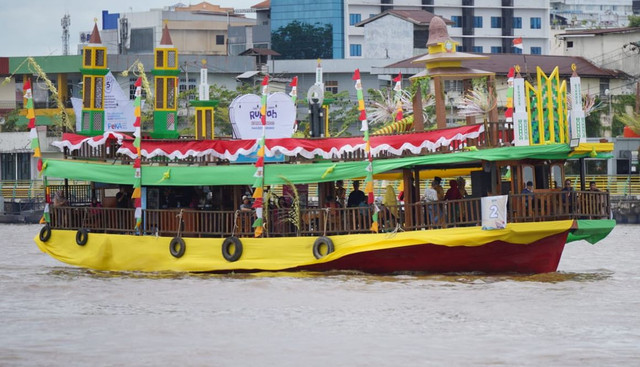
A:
{"points": [[611, 48], [592, 13], [196, 29], [486, 26], [321, 13], [382, 32]]}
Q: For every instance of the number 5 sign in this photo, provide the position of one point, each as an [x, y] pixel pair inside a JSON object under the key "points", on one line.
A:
{"points": [[494, 212]]}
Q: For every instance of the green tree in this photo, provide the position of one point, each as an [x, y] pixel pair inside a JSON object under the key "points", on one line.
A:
{"points": [[10, 122], [634, 21], [298, 40]]}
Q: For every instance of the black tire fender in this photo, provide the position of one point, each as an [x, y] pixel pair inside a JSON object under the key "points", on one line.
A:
{"points": [[321, 242], [226, 248], [177, 247], [82, 236], [45, 233]]}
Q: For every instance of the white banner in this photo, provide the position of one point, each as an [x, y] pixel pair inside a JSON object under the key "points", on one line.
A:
{"points": [[578, 126], [244, 113], [118, 108], [494, 212]]}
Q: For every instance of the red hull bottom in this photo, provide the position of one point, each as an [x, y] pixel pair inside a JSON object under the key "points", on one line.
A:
{"points": [[542, 256]]}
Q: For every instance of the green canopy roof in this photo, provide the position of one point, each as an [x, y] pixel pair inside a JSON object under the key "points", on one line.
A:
{"points": [[242, 174]]}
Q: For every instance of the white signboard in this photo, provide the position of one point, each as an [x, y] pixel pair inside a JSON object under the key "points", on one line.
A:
{"points": [[118, 108], [578, 124], [520, 116], [494, 212], [244, 113]]}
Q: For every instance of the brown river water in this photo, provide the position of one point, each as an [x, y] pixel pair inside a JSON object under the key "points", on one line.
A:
{"points": [[586, 314]]}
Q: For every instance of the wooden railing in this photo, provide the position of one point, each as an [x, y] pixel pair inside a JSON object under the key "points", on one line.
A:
{"points": [[541, 206]]}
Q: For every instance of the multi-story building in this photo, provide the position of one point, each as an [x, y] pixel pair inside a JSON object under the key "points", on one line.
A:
{"points": [[592, 13], [487, 26], [196, 29]]}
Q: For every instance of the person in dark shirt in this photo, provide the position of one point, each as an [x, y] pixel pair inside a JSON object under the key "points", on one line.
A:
{"points": [[356, 197], [122, 198], [529, 188]]}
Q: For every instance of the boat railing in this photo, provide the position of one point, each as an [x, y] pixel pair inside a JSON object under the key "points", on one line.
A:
{"points": [[536, 207]]}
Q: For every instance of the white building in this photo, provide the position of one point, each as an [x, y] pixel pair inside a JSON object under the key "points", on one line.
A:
{"points": [[485, 26], [612, 48], [592, 13]]}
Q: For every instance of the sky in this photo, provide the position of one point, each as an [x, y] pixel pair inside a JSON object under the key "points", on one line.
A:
{"points": [[32, 27]]}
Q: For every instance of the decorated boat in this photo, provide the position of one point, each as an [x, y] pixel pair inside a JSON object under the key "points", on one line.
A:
{"points": [[277, 203]]}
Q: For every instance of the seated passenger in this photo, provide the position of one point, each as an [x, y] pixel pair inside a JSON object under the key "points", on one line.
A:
{"points": [[246, 203]]}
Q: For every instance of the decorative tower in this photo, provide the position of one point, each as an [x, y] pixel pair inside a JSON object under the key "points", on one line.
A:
{"points": [[165, 71], [204, 108], [94, 69]]}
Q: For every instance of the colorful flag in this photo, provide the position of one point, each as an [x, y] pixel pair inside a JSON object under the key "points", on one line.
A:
{"points": [[368, 181], [258, 186], [137, 183], [517, 43]]}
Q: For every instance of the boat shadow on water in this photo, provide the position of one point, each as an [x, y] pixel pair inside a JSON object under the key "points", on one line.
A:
{"points": [[343, 276]]}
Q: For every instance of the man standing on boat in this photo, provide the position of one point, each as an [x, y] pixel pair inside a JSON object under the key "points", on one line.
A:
{"points": [[356, 197]]}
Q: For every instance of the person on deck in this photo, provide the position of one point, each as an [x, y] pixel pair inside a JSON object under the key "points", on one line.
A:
{"points": [[454, 192], [567, 196], [356, 197], [436, 184], [122, 198], [246, 203], [341, 193], [528, 189], [593, 187]]}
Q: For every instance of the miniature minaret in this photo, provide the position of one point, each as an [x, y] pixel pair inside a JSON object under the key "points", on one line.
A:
{"points": [[165, 71], [94, 69], [204, 107], [315, 97]]}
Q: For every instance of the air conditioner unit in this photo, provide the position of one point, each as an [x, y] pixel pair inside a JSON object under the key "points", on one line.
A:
{"points": [[626, 154]]}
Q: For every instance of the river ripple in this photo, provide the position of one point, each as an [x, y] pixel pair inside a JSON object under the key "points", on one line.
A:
{"points": [[586, 314]]}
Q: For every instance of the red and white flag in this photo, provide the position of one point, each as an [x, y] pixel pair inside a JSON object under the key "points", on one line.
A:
{"points": [[517, 42]]}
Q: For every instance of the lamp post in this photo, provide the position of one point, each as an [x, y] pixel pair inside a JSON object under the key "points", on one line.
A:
{"points": [[607, 92]]}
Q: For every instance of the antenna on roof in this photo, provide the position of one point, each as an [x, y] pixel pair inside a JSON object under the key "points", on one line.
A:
{"points": [[65, 22]]}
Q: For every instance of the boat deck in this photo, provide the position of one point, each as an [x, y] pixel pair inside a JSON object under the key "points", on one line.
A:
{"points": [[541, 206]]}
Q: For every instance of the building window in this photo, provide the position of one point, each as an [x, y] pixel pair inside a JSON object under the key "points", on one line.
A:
{"points": [[517, 22], [354, 18], [453, 86], [16, 166], [220, 39], [477, 22], [355, 49], [536, 23], [331, 86], [457, 21], [569, 44], [604, 87], [496, 49], [496, 22], [477, 49], [536, 50]]}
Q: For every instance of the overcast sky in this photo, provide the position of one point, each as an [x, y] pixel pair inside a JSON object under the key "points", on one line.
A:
{"points": [[32, 27]]}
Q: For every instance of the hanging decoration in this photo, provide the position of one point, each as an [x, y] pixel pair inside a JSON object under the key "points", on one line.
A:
{"points": [[46, 218], [258, 186], [398, 96], [31, 116], [294, 98], [368, 181], [137, 184], [508, 114]]}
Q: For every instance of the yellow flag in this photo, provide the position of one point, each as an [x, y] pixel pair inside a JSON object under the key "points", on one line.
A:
{"points": [[257, 193], [374, 227]]}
